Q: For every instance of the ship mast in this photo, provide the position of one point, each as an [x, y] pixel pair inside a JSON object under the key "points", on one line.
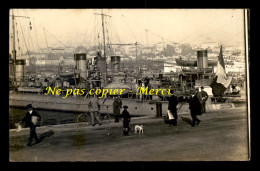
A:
{"points": [[14, 52], [104, 40]]}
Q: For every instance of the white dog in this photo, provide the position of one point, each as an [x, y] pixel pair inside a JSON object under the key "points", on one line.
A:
{"points": [[139, 128], [18, 127]]}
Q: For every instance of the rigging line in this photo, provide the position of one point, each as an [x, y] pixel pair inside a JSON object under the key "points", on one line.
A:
{"points": [[56, 39], [29, 35], [29, 47], [107, 33], [95, 31], [18, 40], [116, 33], [112, 35], [90, 35], [89, 32], [46, 39], [117, 39], [203, 28], [96, 34], [89, 38], [109, 37], [110, 28], [99, 38], [131, 31], [162, 37], [36, 35], [218, 32], [24, 41], [143, 27], [233, 36]]}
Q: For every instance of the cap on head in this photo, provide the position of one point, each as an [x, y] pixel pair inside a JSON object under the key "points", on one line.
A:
{"points": [[29, 106], [125, 107]]}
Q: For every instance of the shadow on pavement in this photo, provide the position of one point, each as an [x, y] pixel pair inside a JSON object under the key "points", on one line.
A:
{"points": [[188, 120], [46, 134]]}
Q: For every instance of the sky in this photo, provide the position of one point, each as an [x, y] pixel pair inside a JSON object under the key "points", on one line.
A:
{"points": [[75, 27]]}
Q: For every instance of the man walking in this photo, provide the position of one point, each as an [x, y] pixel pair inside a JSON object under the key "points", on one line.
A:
{"points": [[195, 108], [172, 106], [94, 106], [204, 97], [31, 119]]}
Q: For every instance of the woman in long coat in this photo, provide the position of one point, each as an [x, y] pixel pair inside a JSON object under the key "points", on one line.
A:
{"points": [[116, 108]]}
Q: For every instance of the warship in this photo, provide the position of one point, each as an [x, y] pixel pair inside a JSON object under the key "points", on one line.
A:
{"points": [[97, 74]]}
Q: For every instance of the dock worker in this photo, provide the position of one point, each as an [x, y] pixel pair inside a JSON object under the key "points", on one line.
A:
{"points": [[126, 120], [117, 104], [195, 108], [204, 98], [94, 107], [31, 119], [172, 106]]}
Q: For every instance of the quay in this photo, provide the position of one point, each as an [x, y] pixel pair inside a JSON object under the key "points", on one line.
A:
{"points": [[222, 135]]}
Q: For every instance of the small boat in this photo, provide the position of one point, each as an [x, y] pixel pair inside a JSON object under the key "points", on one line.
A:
{"points": [[181, 62], [207, 70], [212, 63], [66, 74]]}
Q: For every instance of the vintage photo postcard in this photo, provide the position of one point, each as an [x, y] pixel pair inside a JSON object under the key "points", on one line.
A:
{"points": [[113, 85]]}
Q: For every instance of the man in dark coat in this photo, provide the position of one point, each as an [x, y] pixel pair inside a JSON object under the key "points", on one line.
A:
{"points": [[195, 109], [31, 119], [126, 119], [116, 108], [204, 96], [172, 106]]}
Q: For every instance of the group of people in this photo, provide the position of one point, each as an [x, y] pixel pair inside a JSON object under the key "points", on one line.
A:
{"points": [[94, 107], [32, 118], [197, 106]]}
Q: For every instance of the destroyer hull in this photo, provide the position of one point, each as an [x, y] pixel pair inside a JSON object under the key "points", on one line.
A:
{"points": [[80, 104]]}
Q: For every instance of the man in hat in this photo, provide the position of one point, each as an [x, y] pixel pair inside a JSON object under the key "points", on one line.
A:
{"points": [[116, 108], [126, 119], [94, 107], [204, 97], [172, 106], [195, 108], [31, 119]]}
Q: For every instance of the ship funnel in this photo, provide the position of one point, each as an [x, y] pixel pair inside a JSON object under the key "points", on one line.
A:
{"points": [[19, 70], [81, 64], [115, 63], [202, 59]]}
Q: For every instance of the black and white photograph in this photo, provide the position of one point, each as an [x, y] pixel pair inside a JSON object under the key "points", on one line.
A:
{"points": [[129, 85]]}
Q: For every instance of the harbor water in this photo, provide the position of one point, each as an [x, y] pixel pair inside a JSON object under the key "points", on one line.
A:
{"points": [[49, 117]]}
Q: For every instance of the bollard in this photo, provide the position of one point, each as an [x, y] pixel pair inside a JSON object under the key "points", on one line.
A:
{"points": [[159, 109]]}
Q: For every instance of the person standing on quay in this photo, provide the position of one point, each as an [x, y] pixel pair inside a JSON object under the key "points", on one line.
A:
{"points": [[116, 108], [126, 120], [31, 119], [195, 108], [172, 106], [93, 109], [204, 96]]}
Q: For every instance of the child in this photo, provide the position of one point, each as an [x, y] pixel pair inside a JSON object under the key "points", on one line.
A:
{"points": [[126, 119]]}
